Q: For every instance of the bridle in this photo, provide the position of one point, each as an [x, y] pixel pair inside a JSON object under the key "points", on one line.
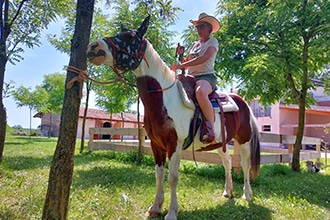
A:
{"points": [[126, 60], [119, 60]]}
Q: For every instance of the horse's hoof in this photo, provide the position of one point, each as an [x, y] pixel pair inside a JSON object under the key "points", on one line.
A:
{"points": [[172, 215], [153, 211], [247, 198], [150, 214], [226, 196]]}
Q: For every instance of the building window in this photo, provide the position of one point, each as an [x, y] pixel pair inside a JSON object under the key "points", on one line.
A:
{"points": [[268, 111], [266, 128], [260, 110]]}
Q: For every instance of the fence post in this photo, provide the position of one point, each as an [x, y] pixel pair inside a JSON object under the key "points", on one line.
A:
{"points": [[91, 137], [290, 151], [326, 156], [236, 152], [142, 137], [326, 153], [318, 149], [141, 143]]}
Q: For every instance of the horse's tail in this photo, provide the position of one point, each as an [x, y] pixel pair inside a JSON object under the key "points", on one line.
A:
{"points": [[254, 148]]}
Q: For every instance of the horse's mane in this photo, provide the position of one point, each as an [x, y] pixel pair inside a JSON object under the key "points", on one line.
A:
{"points": [[158, 62]]}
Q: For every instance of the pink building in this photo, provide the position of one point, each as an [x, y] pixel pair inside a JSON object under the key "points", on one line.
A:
{"points": [[95, 118], [283, 119], [100, 119]]}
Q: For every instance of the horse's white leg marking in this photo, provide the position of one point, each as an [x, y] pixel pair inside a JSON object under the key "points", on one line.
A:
{"points": [[156, 207], [173, 178], [245, 163], [226, 162]]}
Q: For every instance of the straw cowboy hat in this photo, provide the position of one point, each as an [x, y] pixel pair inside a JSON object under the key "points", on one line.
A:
{"points": [[209, 19]]}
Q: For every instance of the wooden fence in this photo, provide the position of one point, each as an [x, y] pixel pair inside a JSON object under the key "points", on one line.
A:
{"points": [[276, 155]]}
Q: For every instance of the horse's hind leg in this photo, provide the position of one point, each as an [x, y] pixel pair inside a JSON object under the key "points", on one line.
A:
{"points": [[226, 162], [245, 163], [173, 178]]}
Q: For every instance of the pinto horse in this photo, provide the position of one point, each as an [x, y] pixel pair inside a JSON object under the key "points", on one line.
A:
{"points": [[167, 119]]}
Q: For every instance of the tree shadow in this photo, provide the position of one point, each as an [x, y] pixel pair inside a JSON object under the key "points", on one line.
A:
{"points": [[273, 179], [242, 210], [113, 176], [281, 180]]}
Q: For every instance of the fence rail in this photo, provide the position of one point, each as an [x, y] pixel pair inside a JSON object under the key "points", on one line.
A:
{"points": [[278, 155]]}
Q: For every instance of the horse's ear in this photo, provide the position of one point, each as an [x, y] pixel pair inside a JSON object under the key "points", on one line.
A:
{"points": [[143, 28], [123, 28]]}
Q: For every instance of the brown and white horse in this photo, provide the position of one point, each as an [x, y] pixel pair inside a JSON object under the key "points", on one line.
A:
{"points": [[167, 119]]}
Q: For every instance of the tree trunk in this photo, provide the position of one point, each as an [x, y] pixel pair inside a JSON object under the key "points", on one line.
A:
{"points": [[3, 123], [30, 122], [3, 114], [140, 151], [61, 171], [122, 125], [295, 166], [88, 85]]}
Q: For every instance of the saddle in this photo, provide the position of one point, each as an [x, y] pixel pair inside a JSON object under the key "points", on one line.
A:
{"points": [[221, 103]]}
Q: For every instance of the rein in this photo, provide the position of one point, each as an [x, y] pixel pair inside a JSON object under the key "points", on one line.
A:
{"points": [[82, 74]]}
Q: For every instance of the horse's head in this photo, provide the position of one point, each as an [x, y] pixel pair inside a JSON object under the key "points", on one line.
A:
{"points": [[123, 51]]}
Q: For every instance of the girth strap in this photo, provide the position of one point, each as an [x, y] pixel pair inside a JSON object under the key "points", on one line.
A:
{"points": [[222, 122]]}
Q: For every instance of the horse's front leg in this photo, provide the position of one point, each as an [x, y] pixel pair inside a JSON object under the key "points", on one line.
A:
{"points": [[156, 207], [160, 158], [173, 178], [226, 162]]}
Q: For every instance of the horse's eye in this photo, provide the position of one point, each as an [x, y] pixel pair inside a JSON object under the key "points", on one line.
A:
{"points": [[127, 36]]}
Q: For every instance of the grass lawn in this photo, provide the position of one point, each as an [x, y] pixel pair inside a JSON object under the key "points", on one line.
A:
{"points": [[108, 185]]}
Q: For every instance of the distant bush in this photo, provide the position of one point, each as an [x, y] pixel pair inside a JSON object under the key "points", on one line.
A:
{"points": [[17, 127], [22, 131]]}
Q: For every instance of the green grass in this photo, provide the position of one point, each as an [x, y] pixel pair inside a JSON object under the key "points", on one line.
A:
{"points": [[108, 185]]}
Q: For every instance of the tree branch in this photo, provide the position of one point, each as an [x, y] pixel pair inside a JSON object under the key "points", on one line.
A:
{"points": [[9, 24], [293, 87]]}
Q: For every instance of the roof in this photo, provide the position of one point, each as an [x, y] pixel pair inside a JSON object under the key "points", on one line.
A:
{"points": [[324, 103], [313, 109], [100, 114]]}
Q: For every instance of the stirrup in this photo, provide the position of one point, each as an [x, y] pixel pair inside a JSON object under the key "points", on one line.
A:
{"points": [[209, 136]]}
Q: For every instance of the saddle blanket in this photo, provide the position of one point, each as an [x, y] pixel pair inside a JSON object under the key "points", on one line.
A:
{"points": [[227, 102]]}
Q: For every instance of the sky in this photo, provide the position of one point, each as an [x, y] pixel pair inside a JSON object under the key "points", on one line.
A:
{"points": [[45, 59]]}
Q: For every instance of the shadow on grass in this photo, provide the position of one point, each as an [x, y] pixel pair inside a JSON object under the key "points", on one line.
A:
{"points": [[278, 180], [275, 179], [127, 177], [232, 209]]}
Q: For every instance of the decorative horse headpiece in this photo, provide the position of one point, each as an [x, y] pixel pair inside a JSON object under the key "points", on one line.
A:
{"points": [[127, 48]]}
